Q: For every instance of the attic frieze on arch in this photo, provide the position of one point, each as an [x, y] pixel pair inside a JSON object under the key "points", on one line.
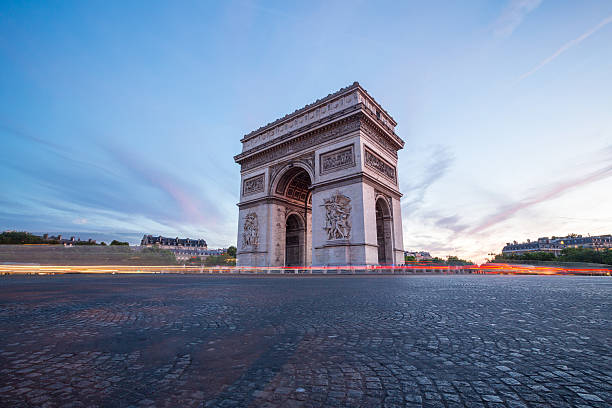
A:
{"points": [[302, 143], [319, 136]]}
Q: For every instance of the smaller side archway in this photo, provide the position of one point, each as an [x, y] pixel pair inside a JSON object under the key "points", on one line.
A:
{"points": [[294, 240], [384, 232]]}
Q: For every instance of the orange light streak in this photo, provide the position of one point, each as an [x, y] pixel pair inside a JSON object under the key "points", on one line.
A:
{"points": [[491, 268]]}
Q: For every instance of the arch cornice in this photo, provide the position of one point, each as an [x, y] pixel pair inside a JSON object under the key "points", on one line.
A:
{"points": [[309, 139]]}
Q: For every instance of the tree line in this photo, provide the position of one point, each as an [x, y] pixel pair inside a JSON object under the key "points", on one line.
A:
{"points": [[587, 255], [226, 259], [27, 238], [450, 261]]}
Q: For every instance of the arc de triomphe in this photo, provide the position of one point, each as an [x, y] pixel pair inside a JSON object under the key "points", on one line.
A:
{"points": [[319, 186]]}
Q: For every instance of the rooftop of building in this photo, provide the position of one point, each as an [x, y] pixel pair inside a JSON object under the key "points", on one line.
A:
{"points": [[188, 242], [559, 241]]}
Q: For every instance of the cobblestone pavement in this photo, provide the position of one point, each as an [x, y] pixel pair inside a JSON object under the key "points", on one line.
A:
{"points": [[194, 341]]}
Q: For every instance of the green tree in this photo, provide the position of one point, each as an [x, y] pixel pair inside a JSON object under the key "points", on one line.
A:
{"points": [[19, 238], [219, 260], [154, 256], [586, 255], [231, 251], [454, 261], [538, 256], [115, 242]]}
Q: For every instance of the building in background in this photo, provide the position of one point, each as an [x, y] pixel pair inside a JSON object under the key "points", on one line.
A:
{"points": [[182, 248], [68, 242], [555, 245], [186, 253], [418, 255]]}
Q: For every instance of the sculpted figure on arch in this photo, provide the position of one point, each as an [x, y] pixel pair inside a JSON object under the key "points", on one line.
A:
{"points": [[338, 211], [250, 235]]}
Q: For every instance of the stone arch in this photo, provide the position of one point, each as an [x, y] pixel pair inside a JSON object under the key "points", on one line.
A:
{"points": [[384, 230], [350, 139], [295, 236], [283, 176], [298, 216], [292, 186]]}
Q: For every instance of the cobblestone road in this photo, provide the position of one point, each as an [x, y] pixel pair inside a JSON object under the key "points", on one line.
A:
{"points": [[191, 341]]}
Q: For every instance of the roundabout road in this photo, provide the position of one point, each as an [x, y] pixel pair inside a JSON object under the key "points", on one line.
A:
{"points": [[192, 341]]}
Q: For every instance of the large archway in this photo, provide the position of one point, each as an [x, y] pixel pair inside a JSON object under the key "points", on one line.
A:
{"points": [[383, 232], [293, 187]]}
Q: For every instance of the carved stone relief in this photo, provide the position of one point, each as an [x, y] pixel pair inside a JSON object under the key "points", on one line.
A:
{"points": [[274, 170], [308, 117], [253, 185], [308, 159], [336, 160], [337, 217], [300, 144], [377, 137], [379, 165], [250, 234]]}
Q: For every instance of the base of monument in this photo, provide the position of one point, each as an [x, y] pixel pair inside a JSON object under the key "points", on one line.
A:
{"points": [[340, 253]]}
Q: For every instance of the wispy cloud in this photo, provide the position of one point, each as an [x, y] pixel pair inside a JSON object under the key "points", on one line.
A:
{"points": [[451, 223], [193, 208], [549, 193], [66, 152], [513, 15], [11, 131], [438, 163], [566, 47], [104, 189]]}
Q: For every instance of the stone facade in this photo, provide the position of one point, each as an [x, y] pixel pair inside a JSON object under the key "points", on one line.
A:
{"points": [[182, 248], [320, 187]]}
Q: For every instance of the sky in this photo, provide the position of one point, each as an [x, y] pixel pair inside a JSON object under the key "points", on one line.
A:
{"points": [[122, 118]]}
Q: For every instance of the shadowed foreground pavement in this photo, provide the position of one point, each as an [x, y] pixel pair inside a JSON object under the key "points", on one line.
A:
{"points": [[181, 340]]}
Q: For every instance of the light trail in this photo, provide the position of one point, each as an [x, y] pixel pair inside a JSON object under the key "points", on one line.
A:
{"points": [[489, 269]]}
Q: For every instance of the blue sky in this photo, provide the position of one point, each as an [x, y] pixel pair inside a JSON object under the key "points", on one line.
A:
{"points": [[122, 118]]}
